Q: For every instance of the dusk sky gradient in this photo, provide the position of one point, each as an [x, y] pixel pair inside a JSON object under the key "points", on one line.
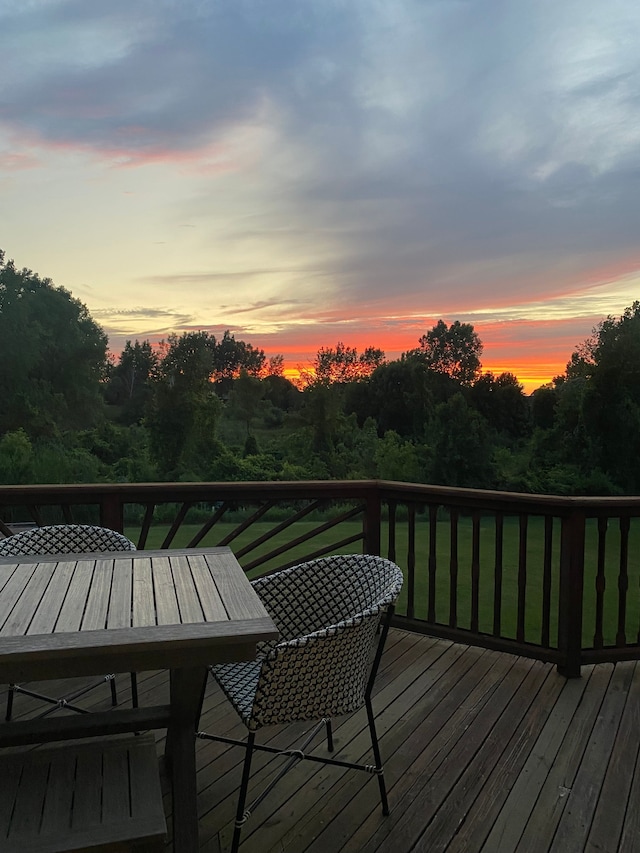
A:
{"points": [[304, 172]]}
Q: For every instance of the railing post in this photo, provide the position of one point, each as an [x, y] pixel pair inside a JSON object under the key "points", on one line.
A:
{"points": [[112, 512], [570, 594], [372, 523]]}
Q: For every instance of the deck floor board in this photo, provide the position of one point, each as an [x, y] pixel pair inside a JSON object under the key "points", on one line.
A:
{"points": [[484, 753]]}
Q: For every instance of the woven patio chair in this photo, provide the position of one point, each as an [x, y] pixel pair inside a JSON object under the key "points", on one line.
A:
{"points": [[328, 612], [65, 539]]}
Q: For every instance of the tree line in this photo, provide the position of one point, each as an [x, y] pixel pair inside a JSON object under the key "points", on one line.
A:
{"points": [[198, 407]]}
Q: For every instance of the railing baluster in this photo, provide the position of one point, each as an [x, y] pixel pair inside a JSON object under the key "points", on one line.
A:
{"points": [[307, 537], [433, 527], [372, 522], [601, 584], [522, 578], [244, 525], [146, 524], [180, 517], [623, 581], [36, 515], [411, 560], [497, 588], [546, 581], [570, 596], [279, 528], [111, 512], [453, 569], [210, 524], [391, 551], [475, 573]]}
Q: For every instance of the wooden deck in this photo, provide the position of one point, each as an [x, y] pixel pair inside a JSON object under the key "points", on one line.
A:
{"points": [[483, 752]]}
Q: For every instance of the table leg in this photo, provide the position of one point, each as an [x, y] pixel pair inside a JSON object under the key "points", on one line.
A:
{"points": [[187, 691]]}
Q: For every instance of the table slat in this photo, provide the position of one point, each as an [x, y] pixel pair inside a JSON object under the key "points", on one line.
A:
{"points": [[59, 800], [144, 612], [115, 797], [167, 611], [13, 587], [234, 587], [119, 613], [46, 616], [95, 616], [87, 794], [18, 621], [188, 601], [210, 599], [71, 613]]}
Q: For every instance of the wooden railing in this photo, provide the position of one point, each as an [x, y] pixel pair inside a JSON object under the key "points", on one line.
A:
{"points": [[552, 578]]}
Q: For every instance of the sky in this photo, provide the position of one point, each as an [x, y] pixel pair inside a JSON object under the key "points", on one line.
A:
{"points": [[304, 172]]}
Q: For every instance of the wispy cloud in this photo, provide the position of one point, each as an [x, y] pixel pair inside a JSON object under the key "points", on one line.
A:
{"points": [[336, 164]]}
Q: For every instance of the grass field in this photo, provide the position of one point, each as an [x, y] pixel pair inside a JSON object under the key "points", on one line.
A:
{"points": [[534, 574]]}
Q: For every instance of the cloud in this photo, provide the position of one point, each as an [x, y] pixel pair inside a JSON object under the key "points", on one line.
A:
{"points": [[351, 162]]}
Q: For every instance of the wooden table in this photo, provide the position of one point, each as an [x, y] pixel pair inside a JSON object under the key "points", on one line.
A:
{"points": [[89, 614]]}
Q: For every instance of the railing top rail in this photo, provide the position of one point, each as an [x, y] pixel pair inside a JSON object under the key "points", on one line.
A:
{"points": [[78, 492], [480, 499], [509, 501]]}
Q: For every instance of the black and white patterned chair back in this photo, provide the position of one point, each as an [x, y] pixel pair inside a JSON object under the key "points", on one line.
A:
{"points": [[64, 538], [327, 611]]}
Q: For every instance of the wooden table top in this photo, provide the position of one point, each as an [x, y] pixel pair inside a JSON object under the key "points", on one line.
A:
{"points": [[81, 614]]}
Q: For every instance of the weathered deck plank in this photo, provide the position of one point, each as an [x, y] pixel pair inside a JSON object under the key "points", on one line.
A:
{"points": [[484, 753]]}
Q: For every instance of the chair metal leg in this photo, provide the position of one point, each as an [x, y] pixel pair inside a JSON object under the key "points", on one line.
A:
{"points": [[378, 758], [327, 723], [293, 756], [244, 787], [11, 691], [65, 702]]}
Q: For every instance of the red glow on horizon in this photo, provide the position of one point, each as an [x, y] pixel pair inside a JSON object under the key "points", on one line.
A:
{"points": [[534, 351]]}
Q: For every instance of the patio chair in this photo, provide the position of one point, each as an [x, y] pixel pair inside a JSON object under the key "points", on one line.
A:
{"points": [[328, 612], [69, 539]]}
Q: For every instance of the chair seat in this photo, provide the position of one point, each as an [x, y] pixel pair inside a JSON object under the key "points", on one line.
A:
{"points": [[239, 682]]}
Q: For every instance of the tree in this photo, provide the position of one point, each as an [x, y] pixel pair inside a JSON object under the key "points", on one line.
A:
{"points": [[16, 456], [453, 350], [501, 401], [461, 447], [611, 356], [397, 459], [281, 393], [188, 361], [343, 364], [274, 367], [184, 410], [606, 370], [398, 396], [53, 356], [130, 380], [245, 398], [543, 405], [182, 423], [232, 356], [323, 412]]}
